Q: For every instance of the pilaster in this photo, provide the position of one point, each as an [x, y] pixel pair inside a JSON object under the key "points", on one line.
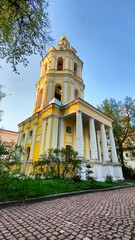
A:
{"points": [[99, 146], [48, 134], [55, 133], [65, 90], [42, 144]]}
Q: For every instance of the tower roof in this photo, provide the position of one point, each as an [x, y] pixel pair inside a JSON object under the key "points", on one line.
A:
{"points": [[63, 44]]}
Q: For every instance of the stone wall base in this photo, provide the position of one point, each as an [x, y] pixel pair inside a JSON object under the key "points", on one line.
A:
{"points": [[101, 170]]}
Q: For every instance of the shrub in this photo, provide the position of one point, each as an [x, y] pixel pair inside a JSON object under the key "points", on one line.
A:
{"points": [[129, 173], [76, 178], [109, 178]]}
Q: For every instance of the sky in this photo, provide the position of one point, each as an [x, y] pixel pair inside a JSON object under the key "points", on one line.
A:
{"points": [[103, 33]]}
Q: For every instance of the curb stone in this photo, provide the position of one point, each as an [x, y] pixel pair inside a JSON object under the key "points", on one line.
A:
{"points": [[56, 196]]}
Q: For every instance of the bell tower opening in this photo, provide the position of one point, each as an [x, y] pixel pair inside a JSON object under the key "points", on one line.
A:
{"points": [[75, 68], [60, 64], [57, 93], [76, 93]]}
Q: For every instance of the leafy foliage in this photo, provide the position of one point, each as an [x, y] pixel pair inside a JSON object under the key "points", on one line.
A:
{"points": [[129, 173], [58, 163], [10, 157], [123, 115], [14, 188], [109, 178], [89, 172], [24, 30]]}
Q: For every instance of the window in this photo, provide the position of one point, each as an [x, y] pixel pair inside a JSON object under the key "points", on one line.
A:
{"points": [[23, 136], [28, 153], [60, 64], [76, 93], [75, 68], [127, 155], [30, 133], [68, 129], [46, 67], [57, 93]]}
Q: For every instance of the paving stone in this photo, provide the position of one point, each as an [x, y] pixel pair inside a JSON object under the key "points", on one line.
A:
{"points": [[97, 216]]}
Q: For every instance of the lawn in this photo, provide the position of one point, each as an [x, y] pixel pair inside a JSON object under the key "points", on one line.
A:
{"points": [[15, 189]]}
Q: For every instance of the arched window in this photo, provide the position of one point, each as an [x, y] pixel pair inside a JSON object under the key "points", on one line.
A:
{"points": [[68, 129], [57, 93], [28, 154], [39, 100], [76, 93], [75, 68], [30, 133], [45, 68], [60, 64]]}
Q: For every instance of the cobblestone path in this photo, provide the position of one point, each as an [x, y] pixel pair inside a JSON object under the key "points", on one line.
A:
{"points": [[100, 215]]}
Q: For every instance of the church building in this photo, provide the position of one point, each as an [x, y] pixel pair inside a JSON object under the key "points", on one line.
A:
{"points": [[62, 117]]}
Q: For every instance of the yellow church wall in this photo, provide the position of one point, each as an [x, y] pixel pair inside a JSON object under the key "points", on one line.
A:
{"points": [[36, 151], [68, 135]]}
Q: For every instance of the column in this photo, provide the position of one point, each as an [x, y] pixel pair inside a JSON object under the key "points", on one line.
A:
{"points": [[61, 133], [55, 133], [79, 71], [87, 145], [113, 147], [66, 65], [71, 64], [49, 97], [79, 134], [65, 90], [99, 146], [48, 135], [24, 145], [43, 137], [81, 95], [33, 141], [19, 138], [53, 62], [72, 92], [43, 103], [104, 143], [93, 140]]}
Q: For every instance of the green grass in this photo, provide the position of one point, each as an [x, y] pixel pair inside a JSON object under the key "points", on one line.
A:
{"points": [[15, 189]]}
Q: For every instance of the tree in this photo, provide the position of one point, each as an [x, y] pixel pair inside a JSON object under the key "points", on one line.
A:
{"points": [[60, 163], [24, 30], [10, 157], [123, 116]]}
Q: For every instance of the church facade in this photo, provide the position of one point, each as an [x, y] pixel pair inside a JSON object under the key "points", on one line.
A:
{"points": [[62, 117]]}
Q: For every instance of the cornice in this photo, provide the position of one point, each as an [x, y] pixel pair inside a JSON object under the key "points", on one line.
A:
{"points": [[86, 104]]}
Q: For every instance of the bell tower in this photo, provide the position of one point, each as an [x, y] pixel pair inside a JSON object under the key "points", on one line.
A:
{"points": [[60, 77]]}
